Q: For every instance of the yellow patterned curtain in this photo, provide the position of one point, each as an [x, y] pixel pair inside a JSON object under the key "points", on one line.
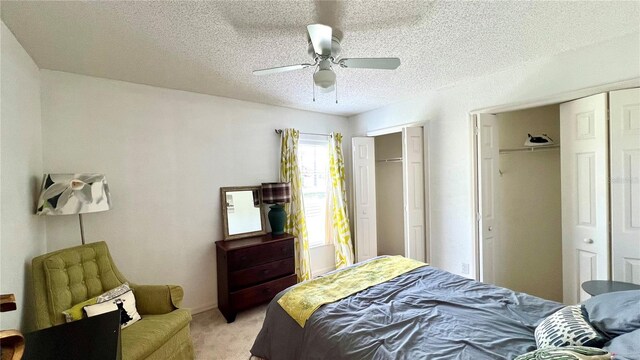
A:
{"points": [[296, 224], [338, 204]]}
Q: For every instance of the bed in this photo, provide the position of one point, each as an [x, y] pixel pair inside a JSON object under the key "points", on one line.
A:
{"points": [[426, 313]]}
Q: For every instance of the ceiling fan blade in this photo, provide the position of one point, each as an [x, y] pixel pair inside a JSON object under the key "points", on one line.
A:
{"points": [[320, 36], [280, 69], [371, 63]]}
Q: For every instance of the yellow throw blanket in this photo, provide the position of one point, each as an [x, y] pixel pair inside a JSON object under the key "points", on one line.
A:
{"points": [[301, 301]]}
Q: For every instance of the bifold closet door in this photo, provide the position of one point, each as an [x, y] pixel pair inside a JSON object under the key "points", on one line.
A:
{"points": [[364, 186], [624, 131], [488, 157], [585, 194], [413, 193]]}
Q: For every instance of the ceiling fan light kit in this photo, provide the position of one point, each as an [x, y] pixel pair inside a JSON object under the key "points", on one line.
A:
{"points": [[325, 80], [325, 50]]}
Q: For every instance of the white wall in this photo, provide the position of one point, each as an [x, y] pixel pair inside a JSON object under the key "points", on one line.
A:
{"points": [[529, 249], [165, 153], [389, 195], [448, 131], [22, 234]]}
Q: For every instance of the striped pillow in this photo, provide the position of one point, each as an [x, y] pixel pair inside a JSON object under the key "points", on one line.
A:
{"points": [[566, 353], [568, 326]]}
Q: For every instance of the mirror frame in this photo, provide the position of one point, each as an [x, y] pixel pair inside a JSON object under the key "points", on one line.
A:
{"points": [[225, 220]]}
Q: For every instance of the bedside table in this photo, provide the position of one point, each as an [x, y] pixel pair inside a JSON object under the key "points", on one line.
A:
{"points": [[597, 287], [252, 271]]}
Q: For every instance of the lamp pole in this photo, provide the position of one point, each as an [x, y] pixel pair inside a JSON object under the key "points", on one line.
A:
{"points": [[81, 228]]}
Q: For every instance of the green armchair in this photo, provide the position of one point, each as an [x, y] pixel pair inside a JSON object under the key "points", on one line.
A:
{"points": [[67, 277]]}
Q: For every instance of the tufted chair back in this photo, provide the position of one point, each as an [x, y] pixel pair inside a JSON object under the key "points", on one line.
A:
{"points": [[66, 277]]}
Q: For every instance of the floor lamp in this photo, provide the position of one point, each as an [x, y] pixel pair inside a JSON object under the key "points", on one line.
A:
{"points": [[71, 194]]}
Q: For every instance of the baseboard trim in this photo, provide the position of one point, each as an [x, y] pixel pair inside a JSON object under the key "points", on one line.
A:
{"points": [[201, 309]]}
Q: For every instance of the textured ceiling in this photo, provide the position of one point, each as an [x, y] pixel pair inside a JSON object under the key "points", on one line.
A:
{"points": [[212, 47]]}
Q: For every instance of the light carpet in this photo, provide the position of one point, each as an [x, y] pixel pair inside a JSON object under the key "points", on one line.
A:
{"points": [[214, 339]]}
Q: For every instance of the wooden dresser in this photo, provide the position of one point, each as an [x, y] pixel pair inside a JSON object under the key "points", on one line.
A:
{"points": [[252, 271]]}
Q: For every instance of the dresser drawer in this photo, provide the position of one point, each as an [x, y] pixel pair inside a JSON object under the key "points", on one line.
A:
{"points": [[252, 270], [253, 256], [260, 294], [261, 273]]}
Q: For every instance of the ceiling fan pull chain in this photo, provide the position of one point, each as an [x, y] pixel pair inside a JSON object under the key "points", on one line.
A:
{"points": [[336, 91], [313, 85]]}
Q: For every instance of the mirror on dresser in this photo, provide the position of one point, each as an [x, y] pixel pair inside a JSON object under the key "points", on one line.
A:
{"points": [[242, 214]]}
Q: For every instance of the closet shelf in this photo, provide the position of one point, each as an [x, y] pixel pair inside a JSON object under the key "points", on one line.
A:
{"points": [[529, 149], [390, 160]]}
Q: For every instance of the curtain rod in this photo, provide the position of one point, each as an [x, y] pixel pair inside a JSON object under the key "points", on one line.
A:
{"points": [[279, 132]]}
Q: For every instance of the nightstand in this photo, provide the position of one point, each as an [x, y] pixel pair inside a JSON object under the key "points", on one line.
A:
{"points": [[597, 287], [252, 271]]}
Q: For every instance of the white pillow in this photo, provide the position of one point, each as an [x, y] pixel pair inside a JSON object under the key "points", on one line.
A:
{"points": [[76, 311], [125, 302]]}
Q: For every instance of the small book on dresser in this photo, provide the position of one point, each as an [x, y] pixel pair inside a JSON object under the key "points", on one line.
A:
{"points": [[251, 271]]}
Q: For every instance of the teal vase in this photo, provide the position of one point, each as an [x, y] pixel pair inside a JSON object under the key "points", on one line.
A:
{"points": [[277, 218]]}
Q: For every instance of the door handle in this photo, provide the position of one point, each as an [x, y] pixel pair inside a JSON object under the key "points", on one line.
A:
{"points": [[490, 228], [588, 241]]}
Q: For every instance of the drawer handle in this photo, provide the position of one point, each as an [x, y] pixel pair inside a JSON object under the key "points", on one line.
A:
{"points": [[267, 290], [243, 258], [284, 249], [266, 272]]}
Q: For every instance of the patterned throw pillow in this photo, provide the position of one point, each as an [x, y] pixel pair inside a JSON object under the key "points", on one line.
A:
{"points": [[566, 353], [76, 312], [113, 293], [126, 303], [568, 326]]}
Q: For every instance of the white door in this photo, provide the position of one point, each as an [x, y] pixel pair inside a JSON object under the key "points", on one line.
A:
{"points": [[413, 193], [364, 188], [585, 194], [488, 160], [624, 131]]}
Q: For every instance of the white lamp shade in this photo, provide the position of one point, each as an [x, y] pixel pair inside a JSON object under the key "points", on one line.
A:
{"points": [[324, 79], [69, 194]]}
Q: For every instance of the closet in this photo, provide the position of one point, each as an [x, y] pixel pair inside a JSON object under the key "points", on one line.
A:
{"points": [[525, 204], [555, 216], [389, 198]]}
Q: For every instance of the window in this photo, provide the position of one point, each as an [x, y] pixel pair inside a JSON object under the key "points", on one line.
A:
{"points": [[313, 153]]}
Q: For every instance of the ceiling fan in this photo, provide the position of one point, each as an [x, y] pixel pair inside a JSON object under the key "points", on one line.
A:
{"points": [[324, 48]]}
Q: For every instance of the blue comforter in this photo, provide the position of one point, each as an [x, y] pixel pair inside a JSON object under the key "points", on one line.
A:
{"points": [[424, 314]]}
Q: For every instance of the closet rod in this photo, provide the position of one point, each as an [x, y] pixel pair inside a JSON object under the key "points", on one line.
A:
{"points": [[390, 160], [279, 132], [528, 149]]}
